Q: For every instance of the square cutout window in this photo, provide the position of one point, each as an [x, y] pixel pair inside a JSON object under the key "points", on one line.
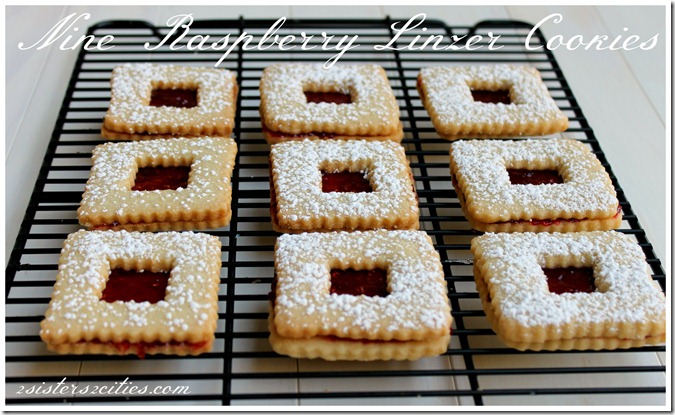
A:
{"points": [[536, 177], [371, 283], [338, 98], [570, 280], [345, 182], [498, 96], [161, 178], [174, 97], [135, 285]]}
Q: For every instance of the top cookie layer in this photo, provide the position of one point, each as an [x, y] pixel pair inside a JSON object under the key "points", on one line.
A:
{"points": [[130, 111], [446, 93], [626, 304], [302, 205], [109, 198], [480, 169], [188, 313], [416, 307], [283, 106]]}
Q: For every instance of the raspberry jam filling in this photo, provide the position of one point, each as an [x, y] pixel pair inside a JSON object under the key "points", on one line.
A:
{"points": [[362, 341], [135, 286], [549, 222], [141, 348], [371, 283], [537, 177], [345, 182], [570, 280], [105, 227], [329, 97], [161, 178], [179, 98], [278, 134], [502, 96]]}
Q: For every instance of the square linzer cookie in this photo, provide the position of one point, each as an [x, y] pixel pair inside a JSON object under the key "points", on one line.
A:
{"points": [[299, 101], [134, 293], [585, 290], [552, 185], [157, 185], [374, 295], [489, 101], [325, 185], [150, 101]]}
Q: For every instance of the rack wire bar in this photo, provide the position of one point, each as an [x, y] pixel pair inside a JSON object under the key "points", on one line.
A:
{"points": [[242, 369]]}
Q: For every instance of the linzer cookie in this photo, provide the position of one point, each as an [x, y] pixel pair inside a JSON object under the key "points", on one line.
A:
{"points": [[344, 102], [489, 101], [375, 295], [134, 293], [150, 101], [553, 185], [173, 184], [586, 290], [341, 185]]}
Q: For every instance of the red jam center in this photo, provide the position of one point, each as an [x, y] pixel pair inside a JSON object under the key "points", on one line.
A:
{"points": [[371, 283], [570, 280], [135, 286], [161, 178], [345, 182], [277, 134], [491, 97], [330, 97], [549, 222], [180, 98], [141, 348], [524, 176]]}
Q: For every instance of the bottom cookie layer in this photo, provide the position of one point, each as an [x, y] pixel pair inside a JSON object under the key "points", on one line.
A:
{"points": [[139, 349], [335, 348], [117, 135], [595, 343], [167, 226], [274, 137]]}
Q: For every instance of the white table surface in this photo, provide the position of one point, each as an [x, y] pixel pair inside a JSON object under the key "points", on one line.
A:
{"points": [[622, 93]]}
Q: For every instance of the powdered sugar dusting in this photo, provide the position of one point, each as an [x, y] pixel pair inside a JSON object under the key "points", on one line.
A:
{"points": [[285, 108], [297, 170], [481, 169], [77, 313], [416, 306], [512, 268], [108, 196], [132, 85], [447, 92]]}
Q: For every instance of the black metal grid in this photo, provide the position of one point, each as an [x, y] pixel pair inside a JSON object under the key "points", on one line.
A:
{"points": [[476, 370]]}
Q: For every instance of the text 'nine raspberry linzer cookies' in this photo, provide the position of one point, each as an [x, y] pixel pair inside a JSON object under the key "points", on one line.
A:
{"points": [[149, 293]]}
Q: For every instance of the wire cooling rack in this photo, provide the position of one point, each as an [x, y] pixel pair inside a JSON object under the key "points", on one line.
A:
{"points": [[477, 368]]}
